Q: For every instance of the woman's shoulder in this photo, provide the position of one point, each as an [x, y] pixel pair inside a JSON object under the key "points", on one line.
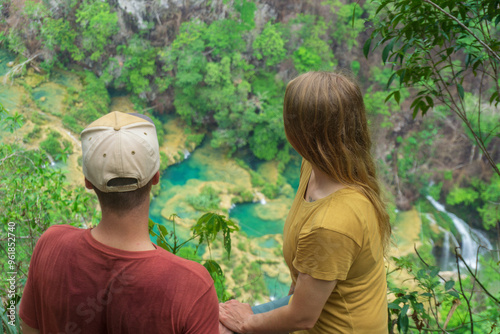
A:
{"points": [[347, 212]]}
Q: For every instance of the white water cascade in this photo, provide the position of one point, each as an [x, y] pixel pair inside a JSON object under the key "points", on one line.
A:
{"points": [[51, 160], [186, 154], [470, 245]]}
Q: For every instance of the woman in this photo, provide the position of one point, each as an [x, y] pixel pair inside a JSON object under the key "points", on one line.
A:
{"points": [[337, 229]]}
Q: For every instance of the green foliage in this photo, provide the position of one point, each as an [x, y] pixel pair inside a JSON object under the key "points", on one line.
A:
{"points": [[434, 46], [160, 131], [413, 153], [481, 196], [139, 65], [483, 121], [269, 45], [88, 105], [194, 139], [347, 24], [207, 200], [98, 25], [314, 53], [34, 134], [270, 190], [34, 196], [462, 195], [435, 190], [58, 34], [206, 230], [56, 147], [163, 161]]}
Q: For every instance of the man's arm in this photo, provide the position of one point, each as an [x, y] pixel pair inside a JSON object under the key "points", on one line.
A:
{"points": [[302, 313], [203, 317], [25, 329]]}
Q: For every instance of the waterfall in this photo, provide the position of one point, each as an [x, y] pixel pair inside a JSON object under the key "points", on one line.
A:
{"points": [[73, 137], [186, 154], [446, 250], [469, 245], [51, 160]]}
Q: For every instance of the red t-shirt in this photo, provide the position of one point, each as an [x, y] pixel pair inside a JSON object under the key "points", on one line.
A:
{"points": [[79, 285]]}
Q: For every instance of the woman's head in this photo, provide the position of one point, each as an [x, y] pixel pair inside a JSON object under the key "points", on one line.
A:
{"points": [[325, 121]]}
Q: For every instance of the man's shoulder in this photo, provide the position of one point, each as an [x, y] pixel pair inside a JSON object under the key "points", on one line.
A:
{"points": [[183, 267], [60, 232]]}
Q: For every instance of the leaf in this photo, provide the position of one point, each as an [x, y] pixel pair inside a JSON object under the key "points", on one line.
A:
{"points": [[163, 230], [389, 97], [430, 102], [387, 49], [213, 268], [493, 97], [354, 13], [397, 96], [460, 91], [403, 320], [391, 79], [366, 47], [449, 285], [453, 293], [394, 306]]}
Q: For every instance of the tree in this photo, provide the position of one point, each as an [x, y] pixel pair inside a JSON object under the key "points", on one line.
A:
{"points": [[443, 49], [33, 196], [98, 26]]}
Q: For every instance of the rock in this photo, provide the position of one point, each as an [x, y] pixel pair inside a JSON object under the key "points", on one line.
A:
{"points": [[43, 98], [10, 64]]}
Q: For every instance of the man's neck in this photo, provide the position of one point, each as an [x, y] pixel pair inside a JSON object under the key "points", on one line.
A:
{"points": [[127, 231]]}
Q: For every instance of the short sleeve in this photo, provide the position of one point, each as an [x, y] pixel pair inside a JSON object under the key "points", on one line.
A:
{"points": [[325, 254], [204, 315]]}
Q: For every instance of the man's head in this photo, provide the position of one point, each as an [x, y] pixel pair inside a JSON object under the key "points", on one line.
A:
{"points": [[120, 159]]}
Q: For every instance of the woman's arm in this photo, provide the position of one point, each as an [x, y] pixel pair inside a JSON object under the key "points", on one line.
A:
{"points": [[303, 311]]}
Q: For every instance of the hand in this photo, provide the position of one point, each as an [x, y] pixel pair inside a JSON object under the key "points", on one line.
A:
{"points": [[233, 315], [223, 329]]}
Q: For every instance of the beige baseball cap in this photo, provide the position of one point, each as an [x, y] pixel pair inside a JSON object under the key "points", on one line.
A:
{"points": [[120, 145]]}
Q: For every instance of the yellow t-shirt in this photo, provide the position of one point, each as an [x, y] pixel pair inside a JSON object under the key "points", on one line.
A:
{"points": [[337, 238]]}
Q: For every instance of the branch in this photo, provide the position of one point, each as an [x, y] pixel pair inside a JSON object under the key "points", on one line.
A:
{"points": [[18, 68], [463, 26], [477, 280], [462, 291]]}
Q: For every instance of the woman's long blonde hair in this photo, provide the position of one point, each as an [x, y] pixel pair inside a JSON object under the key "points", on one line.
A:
{"points": [[325, 121]]}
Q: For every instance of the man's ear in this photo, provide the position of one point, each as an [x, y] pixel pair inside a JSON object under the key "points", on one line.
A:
{"points": [[156, 178], [88, 185]]}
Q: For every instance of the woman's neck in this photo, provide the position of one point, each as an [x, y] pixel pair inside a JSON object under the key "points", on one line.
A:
{"points": [[320, 185]]}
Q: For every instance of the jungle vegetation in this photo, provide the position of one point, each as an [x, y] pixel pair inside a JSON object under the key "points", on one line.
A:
{"points": [[429, 72]]}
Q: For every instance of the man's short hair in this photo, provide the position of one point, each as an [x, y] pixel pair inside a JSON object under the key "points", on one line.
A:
{"points": [[123, 202]]}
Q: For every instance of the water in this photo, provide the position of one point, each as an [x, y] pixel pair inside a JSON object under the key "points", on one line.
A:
{"points": [[250, 222], [470, 244], [200, 167], [52, 95], [276, 288]]}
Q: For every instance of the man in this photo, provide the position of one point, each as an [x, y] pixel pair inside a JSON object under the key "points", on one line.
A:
{"points": [[112, 279]]}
